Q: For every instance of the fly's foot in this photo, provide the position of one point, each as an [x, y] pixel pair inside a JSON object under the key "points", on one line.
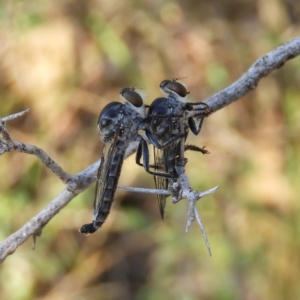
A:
{"points": [[203, 150], [196, 148]]}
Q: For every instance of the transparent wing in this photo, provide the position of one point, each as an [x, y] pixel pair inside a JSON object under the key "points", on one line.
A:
{"points": [[107, 179], [160, 182]]}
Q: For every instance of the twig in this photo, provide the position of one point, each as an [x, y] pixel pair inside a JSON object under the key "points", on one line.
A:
{"points": [[77, 183], [143, 190], [14, 116], [42, 156], [202, 230], [260, 69]]}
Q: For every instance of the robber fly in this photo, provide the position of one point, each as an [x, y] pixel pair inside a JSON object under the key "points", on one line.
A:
{"points": [[169, 129], [118, 125]]}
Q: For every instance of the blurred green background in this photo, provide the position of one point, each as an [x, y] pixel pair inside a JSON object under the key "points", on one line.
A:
{"points": [[65, 60]]}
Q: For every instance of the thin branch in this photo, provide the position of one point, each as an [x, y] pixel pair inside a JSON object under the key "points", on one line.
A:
{"points": [[35, 225], [4, 135], [144, 190], [77, 183], [202, 230], [260, 69], [42, 156], [14, 116]]}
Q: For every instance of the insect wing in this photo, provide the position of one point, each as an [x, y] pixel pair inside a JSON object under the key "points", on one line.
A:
{"points": [[160, 182], [105, 185]]}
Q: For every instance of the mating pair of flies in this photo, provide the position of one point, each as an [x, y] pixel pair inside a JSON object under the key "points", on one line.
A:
{"points": [[165, 123]]}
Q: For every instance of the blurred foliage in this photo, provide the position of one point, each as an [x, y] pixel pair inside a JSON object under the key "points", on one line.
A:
{"points": [[65, 60]]}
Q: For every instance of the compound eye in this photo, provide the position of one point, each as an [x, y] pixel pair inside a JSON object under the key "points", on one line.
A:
{"points": [[164, 84], [131, 96], [158, 107], [104, 122], [173, 86], [178, 88], [109, 114]]}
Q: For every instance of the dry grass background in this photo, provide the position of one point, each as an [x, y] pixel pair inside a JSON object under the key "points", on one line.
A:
{"points": [[65, 60]]}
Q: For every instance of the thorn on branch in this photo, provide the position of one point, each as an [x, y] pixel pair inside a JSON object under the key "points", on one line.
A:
{"points": [[36, 234]]}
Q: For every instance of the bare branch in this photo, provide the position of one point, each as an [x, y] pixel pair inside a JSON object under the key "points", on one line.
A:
{"points": [[202, 230], [42, 156], [182, 190], [143, 190], [35, 225], [4, 135], [77, 183], [14, 116], [261, 68]]}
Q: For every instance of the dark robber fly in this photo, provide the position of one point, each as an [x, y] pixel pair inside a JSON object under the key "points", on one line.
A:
{"points": [[118, 125], [167, 129]]}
